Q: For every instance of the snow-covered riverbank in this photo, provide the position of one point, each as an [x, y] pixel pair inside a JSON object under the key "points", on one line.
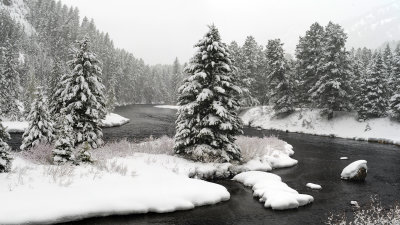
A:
{"points": [[344, 125], [111, 120], [126, 178]]}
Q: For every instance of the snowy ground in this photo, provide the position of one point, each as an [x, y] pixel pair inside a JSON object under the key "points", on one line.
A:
{"points": [[126, 178], [167, 106], [111, 120], [344, 125]]}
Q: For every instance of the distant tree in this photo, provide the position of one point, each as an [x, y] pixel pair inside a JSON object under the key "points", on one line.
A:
{"points": [[309, 52], [5, 158], [176, 80], [372, 101], [40, 129], [332, 91], [83, 96], [395, 85], [10, 83], [207, 119], [282, 87]]}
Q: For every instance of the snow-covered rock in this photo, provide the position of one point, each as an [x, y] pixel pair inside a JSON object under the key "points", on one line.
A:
{"points": [[167, 106], [111, 120], [309, 121], [355, 171], [314, 186], [114, 120], [272, 191], [355, 204]]}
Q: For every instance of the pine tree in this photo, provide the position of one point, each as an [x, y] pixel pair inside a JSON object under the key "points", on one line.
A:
{"points": [[111, 94], [395, 85], [308, 53], [40, 129], [279, 79], [5, 158], [84, 155], [332, 91], [83, 98], [9, 92], [245, 79], [64, 145], [387, 58], [176, 80], [373, 101], [207, 119]]}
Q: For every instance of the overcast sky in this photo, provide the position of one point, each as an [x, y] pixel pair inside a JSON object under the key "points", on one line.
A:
{"points": [[160, 30]]}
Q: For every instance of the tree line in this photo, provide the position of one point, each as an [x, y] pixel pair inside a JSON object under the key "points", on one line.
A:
{"points": [[37, 59], [323, 74]]}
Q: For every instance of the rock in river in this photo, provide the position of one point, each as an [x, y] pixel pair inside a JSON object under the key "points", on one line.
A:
{"points": [[356, 171]]}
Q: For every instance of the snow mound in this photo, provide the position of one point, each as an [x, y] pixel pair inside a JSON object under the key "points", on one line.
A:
{"points": [[352, 170], [111, 120], [167, 106], [309, 121], [314, 186], [114, 120], [115, 188], [272, 191]]}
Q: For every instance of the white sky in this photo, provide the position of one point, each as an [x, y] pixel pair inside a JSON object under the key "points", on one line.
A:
{"points": [[160, 30]]}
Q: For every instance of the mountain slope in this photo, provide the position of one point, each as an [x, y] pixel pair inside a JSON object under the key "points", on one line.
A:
{"points": [[375, 27]]}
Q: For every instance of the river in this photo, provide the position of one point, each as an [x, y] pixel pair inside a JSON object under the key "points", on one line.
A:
{"points": [[318, 163]]}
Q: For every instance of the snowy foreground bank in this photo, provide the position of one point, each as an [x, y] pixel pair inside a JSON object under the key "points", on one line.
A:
{"points": [[134, 178], [111, 120], [343, 125]]}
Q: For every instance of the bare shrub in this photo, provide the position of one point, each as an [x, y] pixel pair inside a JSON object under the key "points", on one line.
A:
{"points": [[111, 166], [123, 148], [374, 214], [253, 147], [61, 175], [40, 154]]}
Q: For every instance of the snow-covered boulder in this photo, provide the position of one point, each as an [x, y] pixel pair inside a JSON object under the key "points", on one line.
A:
{"points": [[356, 171], [272, 191]]}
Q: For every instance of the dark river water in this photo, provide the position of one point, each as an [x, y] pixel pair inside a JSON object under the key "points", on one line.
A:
{"points": [[318, 163]]}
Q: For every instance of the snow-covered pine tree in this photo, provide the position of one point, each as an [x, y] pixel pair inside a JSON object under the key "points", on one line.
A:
{"points": [[395, 85], [251, 72], [83, 96], [40, 129], [5, 158], [333, 90], [207, 120], [64, 145], [387, 58], [373, 102], [279, 79], [9, 91], [308, 53], [357, 76], [245, 82]]}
